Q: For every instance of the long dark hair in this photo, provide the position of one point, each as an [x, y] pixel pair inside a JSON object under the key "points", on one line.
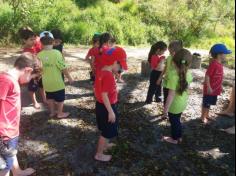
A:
{"points": [[182, 60], [104, 38], [159, 45]]}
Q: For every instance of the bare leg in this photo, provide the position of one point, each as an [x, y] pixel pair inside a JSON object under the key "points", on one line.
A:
{"points": [[17, 170], [4, 173], [205, 115], [51, 104], [102, 143], [43, 95], [60, 113], [34, 100]]}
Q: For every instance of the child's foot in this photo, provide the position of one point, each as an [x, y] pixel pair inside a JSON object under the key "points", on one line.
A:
{"points": [[110, 146], [36, 105], [52, 115], [26, 172], [205, 121], [120, 81], [63, 115], [170, 140], [103, 158]]}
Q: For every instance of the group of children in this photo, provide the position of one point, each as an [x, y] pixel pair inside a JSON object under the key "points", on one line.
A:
{"points": [[177, 79], [43, 67]]}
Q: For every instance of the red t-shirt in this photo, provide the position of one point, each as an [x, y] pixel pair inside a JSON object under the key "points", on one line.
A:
{"points": [[10, 107], [122, 56], [91, 53], [36, 48], [216, 73], [155, 61], [98, 58], [105, 82]]}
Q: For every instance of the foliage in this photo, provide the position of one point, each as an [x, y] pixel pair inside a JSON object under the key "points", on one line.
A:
{"points": [[133, 22]]}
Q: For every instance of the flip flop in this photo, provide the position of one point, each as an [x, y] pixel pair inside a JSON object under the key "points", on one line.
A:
{"points": [[107, 158], [169, 140]]}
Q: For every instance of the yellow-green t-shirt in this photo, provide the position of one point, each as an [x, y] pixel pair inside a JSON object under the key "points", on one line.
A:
{"points": [[180, 102], [169, 69], [53, 65]]}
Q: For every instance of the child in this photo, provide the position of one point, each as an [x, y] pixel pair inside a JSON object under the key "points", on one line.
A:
{"points": [[90, 57], [120, 53], [213, 79], [31, 42], [173, 48], [58, 40], [104, 45], [53, 66], [156, 59], [10, 107], [33, 45], [58, 44], [177, 98], [106, 106]]}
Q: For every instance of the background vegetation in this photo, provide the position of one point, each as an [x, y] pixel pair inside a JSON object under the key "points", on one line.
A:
{"points": [[133, 22]]}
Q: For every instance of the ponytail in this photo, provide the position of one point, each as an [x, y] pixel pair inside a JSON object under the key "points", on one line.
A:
{"points": [[182, 60]]}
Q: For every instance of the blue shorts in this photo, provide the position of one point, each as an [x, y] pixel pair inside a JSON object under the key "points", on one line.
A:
{"points": [[209, 100], [108, 130], [13, 143], [58, 96], [34, 85]]}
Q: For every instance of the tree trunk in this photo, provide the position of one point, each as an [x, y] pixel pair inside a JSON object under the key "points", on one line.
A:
{"points": [[146, 69]]}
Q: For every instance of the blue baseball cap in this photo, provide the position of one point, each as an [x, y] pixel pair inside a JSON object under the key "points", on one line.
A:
{"points": [[220, 49], [46, 34]]}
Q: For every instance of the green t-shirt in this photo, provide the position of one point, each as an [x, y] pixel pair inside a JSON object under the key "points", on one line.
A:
{"points": [[180, 102], [169, 69], [53, 65]]}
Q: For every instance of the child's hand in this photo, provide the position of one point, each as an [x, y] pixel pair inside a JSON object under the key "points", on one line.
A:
{"points": [[71, 81], [112, 117], [210, 90]]}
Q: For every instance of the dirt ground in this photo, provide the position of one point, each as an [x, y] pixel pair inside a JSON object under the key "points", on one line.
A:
{"points": [[66, 147]]}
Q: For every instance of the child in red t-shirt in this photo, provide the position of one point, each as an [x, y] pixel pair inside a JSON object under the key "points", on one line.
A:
{"points": [[213, 79], [156, 60], [120, 53], [90, 57], [106, 106], [10, 107], [33, 45]]}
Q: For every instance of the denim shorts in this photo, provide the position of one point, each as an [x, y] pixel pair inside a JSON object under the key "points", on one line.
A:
{"points": [[12, 143]]}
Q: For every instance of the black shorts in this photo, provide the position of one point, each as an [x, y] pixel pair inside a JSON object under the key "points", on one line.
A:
{"points": [[34, 85], [58, 96], [209, 100], [108, 130]]}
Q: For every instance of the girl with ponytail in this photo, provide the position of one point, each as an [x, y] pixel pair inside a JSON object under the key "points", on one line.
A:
{"points": [[177, 100], [104, 45]]}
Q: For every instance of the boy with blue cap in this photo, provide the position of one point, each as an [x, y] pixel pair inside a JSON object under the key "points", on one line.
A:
{"points": [[53, 83], [214, 79]]}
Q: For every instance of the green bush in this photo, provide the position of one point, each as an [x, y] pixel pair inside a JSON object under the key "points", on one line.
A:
{"points": [[132, 22]]}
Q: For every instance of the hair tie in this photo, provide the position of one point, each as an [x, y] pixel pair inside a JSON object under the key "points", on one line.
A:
{"points": [[183, 61]]}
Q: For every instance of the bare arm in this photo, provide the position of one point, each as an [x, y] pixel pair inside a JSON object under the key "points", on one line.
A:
{"points": [[68, 76], [112, 116], [169, 101], [208, 83]]}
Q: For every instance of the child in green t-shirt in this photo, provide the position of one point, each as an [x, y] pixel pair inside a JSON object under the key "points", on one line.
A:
{"points": [[53, 66], [173, 48], [177, 99]]}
